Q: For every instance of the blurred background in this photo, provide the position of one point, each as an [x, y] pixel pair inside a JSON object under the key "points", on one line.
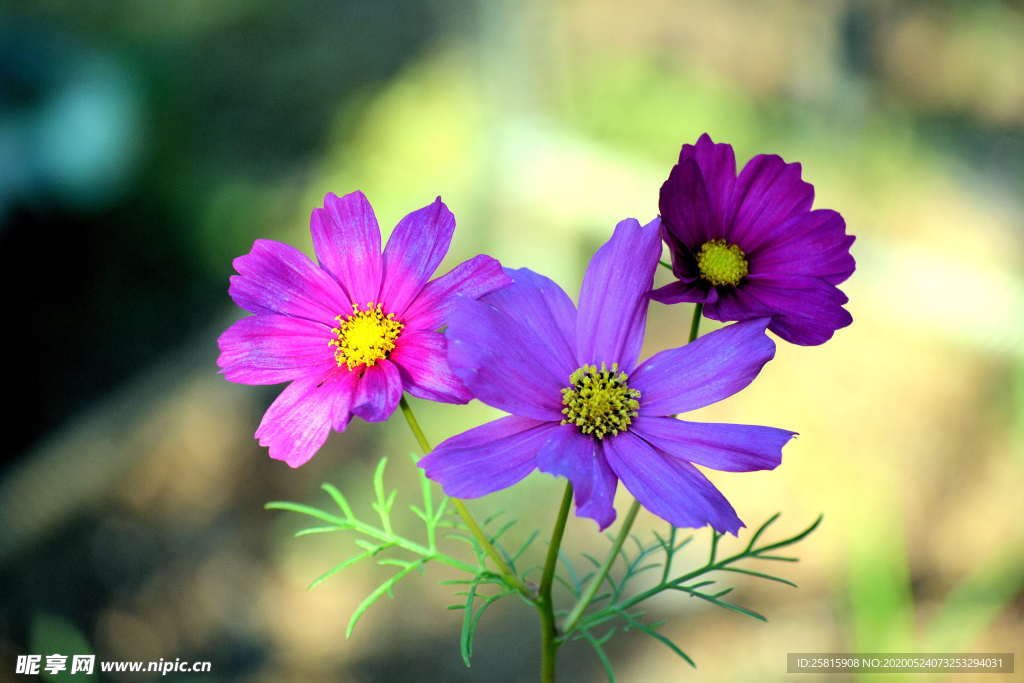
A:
{"points": [[144, 145]]}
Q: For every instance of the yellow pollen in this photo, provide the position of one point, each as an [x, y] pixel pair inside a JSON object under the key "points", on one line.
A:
{"points": [[721, 263], [364, 337], [599, 402]]}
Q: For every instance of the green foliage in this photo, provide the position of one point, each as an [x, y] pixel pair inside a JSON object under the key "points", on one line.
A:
{"points": [[617, 611], [376, 537], [613, 610]]}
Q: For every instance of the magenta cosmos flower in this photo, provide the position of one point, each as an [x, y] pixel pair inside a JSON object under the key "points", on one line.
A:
{"points": [[751, 246], [353, 332], [581, 407]]}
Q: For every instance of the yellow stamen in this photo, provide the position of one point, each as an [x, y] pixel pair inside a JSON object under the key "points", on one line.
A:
{"points": [[599, 402], [721, 263], [364, 337]]}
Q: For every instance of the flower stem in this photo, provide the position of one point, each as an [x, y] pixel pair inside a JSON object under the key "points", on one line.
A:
{"points": [[595, 583], [545, 604], [503, 568]]}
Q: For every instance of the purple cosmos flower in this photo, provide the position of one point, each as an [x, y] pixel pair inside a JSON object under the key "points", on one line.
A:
{"points": [[751, 247], [584, 409], [353, 332]]}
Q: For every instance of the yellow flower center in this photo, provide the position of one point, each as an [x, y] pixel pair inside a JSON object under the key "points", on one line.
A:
{"points": [[721, 263], [364, 337], [599, 402]]}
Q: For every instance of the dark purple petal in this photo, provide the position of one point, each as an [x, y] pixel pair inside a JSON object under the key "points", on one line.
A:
{"points": [[297, 423], [536, 302], [415, 249], [733, 303], [278, 278], [346, 239], [613, 298], [378, 392], [270, 349], [487, 458], [684, 265], [704, 371], [717, 165], [422, 360], [769, 192], [805, 310], [672, 489], [813, 244], [727, 447], [502, 360], [472, 279], [699, 292], [685, 206], [577, 457]]}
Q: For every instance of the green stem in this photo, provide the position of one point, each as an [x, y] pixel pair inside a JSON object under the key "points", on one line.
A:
{"points": [[595, 583], [545, 603], [591, 590], [698, 311], [503, 568]]}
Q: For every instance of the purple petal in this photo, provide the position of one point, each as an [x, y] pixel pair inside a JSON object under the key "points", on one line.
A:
{"points": [[472, 279], [487, 458], [704, 371], [422, 360], [278, 278], [613, 298], [416, 247], [270, 349], [805, 310], [297, 423], [679, 292], [539, 304], [500, 357], [672, 489], [769, 192], [717, 165], [727, 447], [814, 244], [378, 392], [577, 457], [685, 206], [733, 303], [346, 239]]}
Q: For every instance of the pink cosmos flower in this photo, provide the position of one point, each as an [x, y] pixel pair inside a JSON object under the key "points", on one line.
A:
{"points": [[354, 332]]}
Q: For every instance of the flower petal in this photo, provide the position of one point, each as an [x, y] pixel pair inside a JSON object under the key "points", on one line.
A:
{"points": [[270, 349], [672, 489], [805, 310], [500, 357], [613, 302], [422, 360], [297, 423], [472, 279], [704, 371], [487, 458], [727, 447], [537, 303], [768, 192], [814, 244], [278, 278], [346, 239], [685, 205], [679, 292], [378, 392], [415, 249], [717, 165], [733, 303], [577, 457]]}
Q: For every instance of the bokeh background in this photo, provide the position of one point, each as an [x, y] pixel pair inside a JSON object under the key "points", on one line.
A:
{"points": [[144, 145]]}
